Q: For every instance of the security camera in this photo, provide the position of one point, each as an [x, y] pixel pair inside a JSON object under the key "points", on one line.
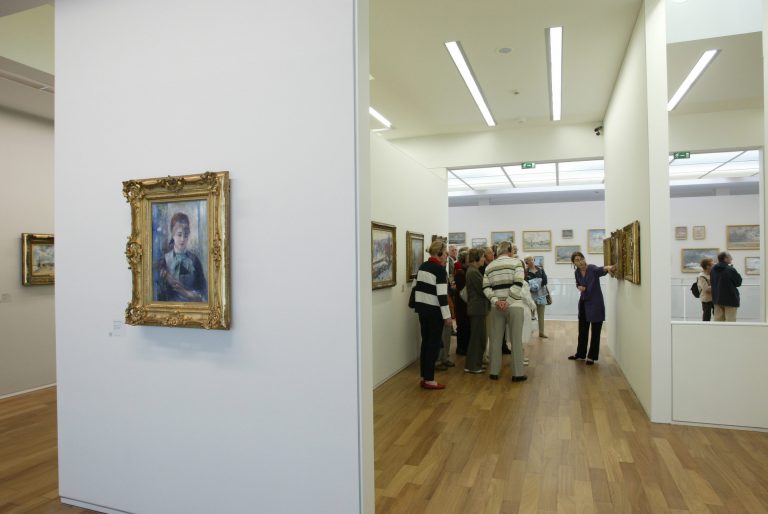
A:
{"points": [[598, 130]]}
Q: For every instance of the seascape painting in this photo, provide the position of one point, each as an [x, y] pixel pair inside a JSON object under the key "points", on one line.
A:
{"points": [[742, 237], [563, 253], [457, 238], [180, 251], [479, 242], [690, 258], [498, 237]]}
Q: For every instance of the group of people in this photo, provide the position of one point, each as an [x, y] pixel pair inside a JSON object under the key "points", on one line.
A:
{"points": [[491, 291], [718, 288]]}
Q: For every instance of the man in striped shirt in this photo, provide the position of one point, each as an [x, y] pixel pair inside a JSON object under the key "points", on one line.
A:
{"points": [[503, 282], [431, 298]]}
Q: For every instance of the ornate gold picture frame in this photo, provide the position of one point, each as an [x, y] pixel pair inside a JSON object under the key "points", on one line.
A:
{"points": [[631, 252], [178, 251], [383, 255], [414, 244], [38, 266]]}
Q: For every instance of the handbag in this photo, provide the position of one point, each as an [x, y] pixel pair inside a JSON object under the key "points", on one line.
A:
{"points": [[412, 299], [549, 299]]}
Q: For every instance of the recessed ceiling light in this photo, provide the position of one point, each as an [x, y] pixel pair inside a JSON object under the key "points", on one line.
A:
{"points": [[454, 48], [384, 121], [692, 77], [555, 61], [504, 50]]}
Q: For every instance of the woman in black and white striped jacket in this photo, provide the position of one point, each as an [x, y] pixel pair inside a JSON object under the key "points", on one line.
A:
{"points": [[432, 306]]}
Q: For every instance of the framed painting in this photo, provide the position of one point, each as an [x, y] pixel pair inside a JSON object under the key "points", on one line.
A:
{"points": [[617, 242], [38, 265], [503, 235], [699, 232], [435, 238], [384, 255], [538, 260], [479, 242], [631, 252], [567, 233], [595, 238], [742, 237], [608, 251], [690, 258], [537, 240], [414, 244], [751, 265], [563, 253], [681, 233], [457, 238], [178, 251]]}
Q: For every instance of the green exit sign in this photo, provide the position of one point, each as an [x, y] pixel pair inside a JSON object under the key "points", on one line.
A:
{"points": [[529, 165], [682, 155]]}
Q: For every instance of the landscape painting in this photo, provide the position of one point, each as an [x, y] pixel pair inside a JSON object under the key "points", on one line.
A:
{"points": [[537, 240], [595, 238], [752, 265], [479, 242], [742, 237], [38, 264], [415, 250], [383, 255], [690, 258]]}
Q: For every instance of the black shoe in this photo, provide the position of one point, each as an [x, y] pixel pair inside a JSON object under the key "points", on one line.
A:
{"points": [[493, 377], [575, 358], [522, 378], [590, 362], [505, 350]]}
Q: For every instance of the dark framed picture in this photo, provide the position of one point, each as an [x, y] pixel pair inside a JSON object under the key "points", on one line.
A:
{"points": [[178, 251], [414, 243], [38, 264], [383, 255], [567, 233], [457, 238]]}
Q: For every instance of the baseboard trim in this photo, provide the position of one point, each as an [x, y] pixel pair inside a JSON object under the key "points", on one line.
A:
{"points": [[384, 380], [712, 425], [26, 391], [92, 506]]}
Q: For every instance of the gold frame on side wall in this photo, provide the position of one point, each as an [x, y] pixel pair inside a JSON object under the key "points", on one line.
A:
{"points": [[383, 227], [631, 251], [410, 270], [29, 276], [144, 309]]}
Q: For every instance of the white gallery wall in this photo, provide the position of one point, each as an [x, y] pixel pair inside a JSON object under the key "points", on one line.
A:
{"points": [[265, 417], [412, 198], [27, 343]]}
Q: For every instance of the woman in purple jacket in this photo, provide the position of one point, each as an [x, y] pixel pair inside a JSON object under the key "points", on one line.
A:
{"points": [[591, 307]]}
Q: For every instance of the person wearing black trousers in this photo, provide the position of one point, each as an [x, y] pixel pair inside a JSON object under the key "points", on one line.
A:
{"points": [[591, 307], [431, 304]]}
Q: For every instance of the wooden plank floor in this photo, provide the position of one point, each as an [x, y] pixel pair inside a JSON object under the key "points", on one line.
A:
{"points": [[29, 480], [572, 439]]}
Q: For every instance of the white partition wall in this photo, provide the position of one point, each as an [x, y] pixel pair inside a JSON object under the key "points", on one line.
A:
{"points": [[637, 185], [272, 415]]}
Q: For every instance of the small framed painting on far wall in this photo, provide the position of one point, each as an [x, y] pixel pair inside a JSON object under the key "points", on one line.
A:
{"points": [[681, 233], [699, 232]]}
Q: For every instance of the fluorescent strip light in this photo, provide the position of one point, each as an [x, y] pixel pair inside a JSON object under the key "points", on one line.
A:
{"points": [[692, 77], [454, 48], [555, 58], [384, 121]]}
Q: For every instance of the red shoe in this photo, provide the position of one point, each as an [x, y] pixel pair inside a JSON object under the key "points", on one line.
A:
{"points": [[426, 385]]}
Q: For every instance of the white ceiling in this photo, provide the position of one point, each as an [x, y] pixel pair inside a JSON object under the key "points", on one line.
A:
{"points": [[417, 87], [734, 79]]}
